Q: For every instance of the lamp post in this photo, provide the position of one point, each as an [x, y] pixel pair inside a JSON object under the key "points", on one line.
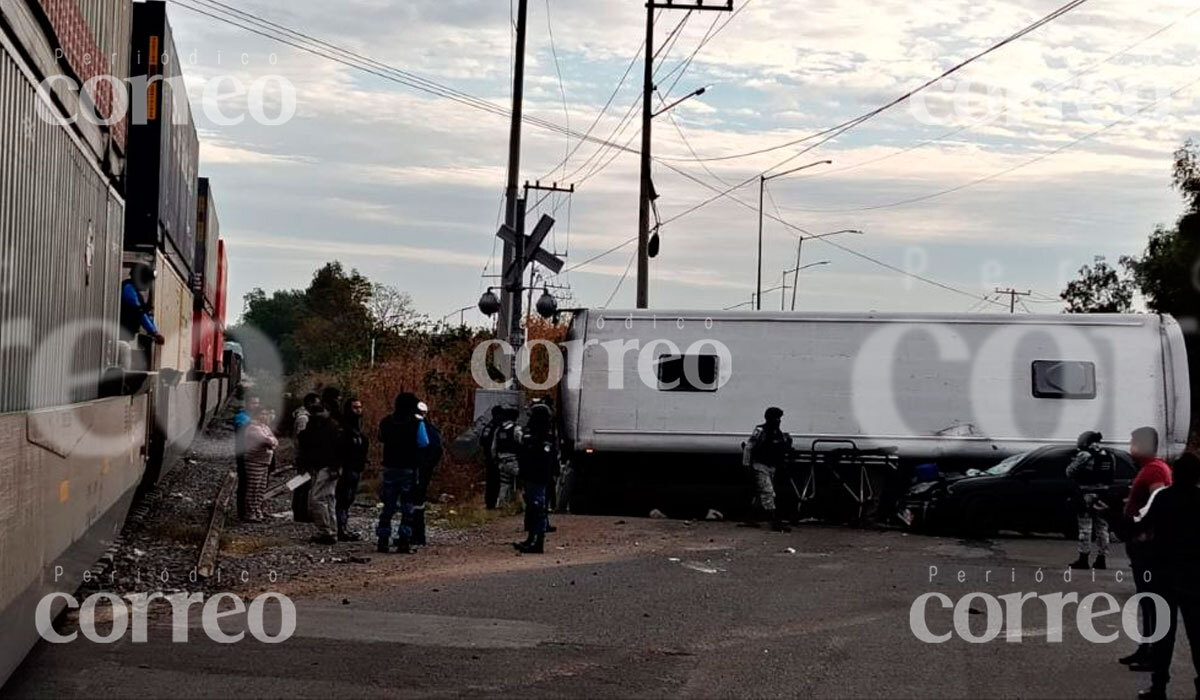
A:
{"points": [[762, 188], [795, 272], [800, 249], [647, 195]]}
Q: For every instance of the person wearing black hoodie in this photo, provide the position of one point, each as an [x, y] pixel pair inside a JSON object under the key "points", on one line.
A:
{"points": [[403, 434], [355, 446], [320, 450], [1170, 527], [537, 457]]}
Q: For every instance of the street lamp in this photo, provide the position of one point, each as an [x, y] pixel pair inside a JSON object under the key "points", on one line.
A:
{"points": [[762, 188], [800, 249], [647, 246], [795, 282]]}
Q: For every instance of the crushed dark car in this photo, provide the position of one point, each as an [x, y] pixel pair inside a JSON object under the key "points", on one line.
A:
{"points": [[1027, 493]]}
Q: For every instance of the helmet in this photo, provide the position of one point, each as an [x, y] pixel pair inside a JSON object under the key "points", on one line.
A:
{"points": [[773, 413], [1088, 438]]}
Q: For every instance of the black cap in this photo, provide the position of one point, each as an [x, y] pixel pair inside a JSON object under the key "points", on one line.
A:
{"points": [[773, 413]]}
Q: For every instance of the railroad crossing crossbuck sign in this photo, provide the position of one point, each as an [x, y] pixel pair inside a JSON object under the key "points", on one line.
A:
{"points": [[528, 249]]}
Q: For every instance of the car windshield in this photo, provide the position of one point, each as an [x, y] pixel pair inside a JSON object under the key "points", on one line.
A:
{"points": [[1005, 466]]}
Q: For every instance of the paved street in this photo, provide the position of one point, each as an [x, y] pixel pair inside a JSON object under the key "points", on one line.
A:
{"points": [[644, 607]]}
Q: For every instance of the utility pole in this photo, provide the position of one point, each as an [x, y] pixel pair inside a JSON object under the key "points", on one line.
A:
{"points": [[643, 250], [762, 188], [1012, 297], [510, 301]]}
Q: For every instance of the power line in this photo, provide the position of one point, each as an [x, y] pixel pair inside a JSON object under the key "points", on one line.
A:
{"points": [[994, 117], [621, 281], [851, 123], [833, 132], [826, 241], [562, 87], [368, 65], [1004, 171]]}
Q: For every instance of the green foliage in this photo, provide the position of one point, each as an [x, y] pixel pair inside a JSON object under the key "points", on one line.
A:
{"points": [[1100, 289], [1168, 272], [329, 326]]}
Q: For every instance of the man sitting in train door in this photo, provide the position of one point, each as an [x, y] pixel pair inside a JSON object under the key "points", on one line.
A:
{"points": [[764, 454], [1091, 474], [136, 315]]}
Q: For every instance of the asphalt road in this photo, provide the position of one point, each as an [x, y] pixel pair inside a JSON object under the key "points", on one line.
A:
{"points": [[640, 608]]}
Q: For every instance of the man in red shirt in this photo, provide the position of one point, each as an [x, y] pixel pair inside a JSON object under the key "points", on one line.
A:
{"points": [[1153, 474]]}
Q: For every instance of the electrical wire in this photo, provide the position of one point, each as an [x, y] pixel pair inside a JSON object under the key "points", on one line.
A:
{"points": [[562, 87], [621, 281], [1009, 170], [851, 123], [992, 118], [368, 65]]}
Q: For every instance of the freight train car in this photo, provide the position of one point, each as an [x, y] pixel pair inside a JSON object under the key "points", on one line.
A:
{"points": [[81, 427], [70, 458]]}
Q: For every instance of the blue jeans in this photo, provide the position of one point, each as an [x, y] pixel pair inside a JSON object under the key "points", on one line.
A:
{"points": [[536, 516], [398, 489], [347, 490]]}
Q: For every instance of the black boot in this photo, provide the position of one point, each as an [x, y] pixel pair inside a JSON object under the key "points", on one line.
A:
{"points": [[382, 546], [777, 522], [403, 546], [1081, 562], [538, 546], [1101, 564], [521, 546], [345, 535], [1142, 655]]}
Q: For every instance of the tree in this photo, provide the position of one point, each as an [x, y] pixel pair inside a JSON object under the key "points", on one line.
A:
{"points": [[1100, 289], [1168, 272], [391, 310]]}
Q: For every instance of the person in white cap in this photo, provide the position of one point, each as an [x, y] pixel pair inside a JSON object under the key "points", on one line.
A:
{"points": [[428, 457]]}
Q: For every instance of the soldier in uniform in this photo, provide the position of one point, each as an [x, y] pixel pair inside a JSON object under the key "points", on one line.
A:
{"points": [[486, 436], [764, 454], [538, 455], [1091, 474], [506, 443]]}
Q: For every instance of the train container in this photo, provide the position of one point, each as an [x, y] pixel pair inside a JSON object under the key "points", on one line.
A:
{"points": [[172, 303], [204, 331], [92, 39], [163, 145], [221, 304], [70, 460], [208, 232], [61, 224]]}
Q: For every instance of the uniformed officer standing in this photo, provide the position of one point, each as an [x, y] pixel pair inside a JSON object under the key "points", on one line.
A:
{"points": [[538, 456], [486, 436], [506, 443], [764, 454], [1091, 473]]}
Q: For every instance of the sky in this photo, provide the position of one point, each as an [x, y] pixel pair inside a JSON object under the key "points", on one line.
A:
{"points": [[1013, 172]]}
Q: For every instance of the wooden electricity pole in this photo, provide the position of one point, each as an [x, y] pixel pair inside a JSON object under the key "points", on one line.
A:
{"points": [[1012, 297]]}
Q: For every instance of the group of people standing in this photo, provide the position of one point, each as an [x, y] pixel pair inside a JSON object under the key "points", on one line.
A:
{"points": [[1158, 523], [332, 449]]}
